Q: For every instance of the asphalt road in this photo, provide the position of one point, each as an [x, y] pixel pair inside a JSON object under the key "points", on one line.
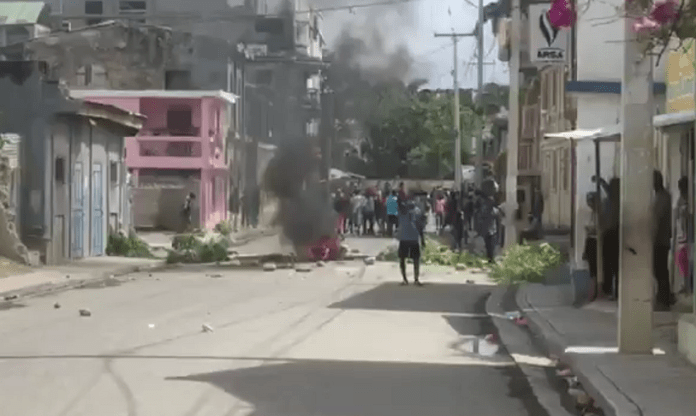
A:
{"points": [[341, 340]]}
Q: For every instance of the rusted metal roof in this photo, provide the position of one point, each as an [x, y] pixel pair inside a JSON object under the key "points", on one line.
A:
{"points": [[17, 13]]}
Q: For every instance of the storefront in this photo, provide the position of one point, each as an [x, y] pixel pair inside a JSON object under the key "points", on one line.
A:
{"points": [[674, 157]]}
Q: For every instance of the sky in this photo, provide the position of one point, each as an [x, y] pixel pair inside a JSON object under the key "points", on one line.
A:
{"points": [[433, 56]]}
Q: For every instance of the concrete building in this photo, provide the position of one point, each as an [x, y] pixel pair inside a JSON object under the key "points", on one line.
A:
{"points": [[72, 190], [22, 21], [183, 142], [674, 157]]}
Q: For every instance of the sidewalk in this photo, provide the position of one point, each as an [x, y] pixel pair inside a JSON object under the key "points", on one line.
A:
{"points": [[53, 278], [586, 340]]}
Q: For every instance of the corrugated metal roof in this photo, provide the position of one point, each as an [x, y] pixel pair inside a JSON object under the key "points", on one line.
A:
{"points": [[14, 13]]}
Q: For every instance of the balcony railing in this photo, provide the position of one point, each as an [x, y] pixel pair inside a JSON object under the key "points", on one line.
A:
{"points": [[190, 132], [164, 148]]}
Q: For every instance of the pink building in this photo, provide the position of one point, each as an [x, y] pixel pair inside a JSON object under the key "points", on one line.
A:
{"points": [[182, 143]]}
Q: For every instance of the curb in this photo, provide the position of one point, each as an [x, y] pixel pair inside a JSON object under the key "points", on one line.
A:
{"points": [[611, 400], [45, 288], [516, 340]]}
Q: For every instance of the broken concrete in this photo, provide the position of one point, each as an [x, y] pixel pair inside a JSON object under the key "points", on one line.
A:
{"points": [[11, 245]]}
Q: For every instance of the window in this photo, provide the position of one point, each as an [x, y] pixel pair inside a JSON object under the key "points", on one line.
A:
{"points": [[133, 8], [553, 90], [96, 8], [177, 80], [264, 77], [566, 169], [554, 171], [113, 173], [59, 170], [179, 122], [84, 76]]}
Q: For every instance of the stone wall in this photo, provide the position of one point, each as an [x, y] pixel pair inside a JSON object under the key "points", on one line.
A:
{"points": [[11, 245]]}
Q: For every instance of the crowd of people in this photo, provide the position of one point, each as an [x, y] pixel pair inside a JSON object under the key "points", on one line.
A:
{"points": [[672, 229], [377, 211]]}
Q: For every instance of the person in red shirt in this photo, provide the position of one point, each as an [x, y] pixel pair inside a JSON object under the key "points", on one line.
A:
{"points": [[402, 192]]}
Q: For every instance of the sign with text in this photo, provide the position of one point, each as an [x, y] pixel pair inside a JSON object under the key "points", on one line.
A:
{"points": [[681, 79], [547, 44]]}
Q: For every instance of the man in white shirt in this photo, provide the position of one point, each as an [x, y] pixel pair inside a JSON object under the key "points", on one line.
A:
{"points": [[356, 206]]}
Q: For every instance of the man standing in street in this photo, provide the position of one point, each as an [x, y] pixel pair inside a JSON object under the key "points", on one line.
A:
{"points": [[410, 239], [662, 239], [186, 212], [488, 222]]}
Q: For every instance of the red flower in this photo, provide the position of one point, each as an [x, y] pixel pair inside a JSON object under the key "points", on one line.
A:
{"points": [[562, 13], [645, 25], [664, 11]]}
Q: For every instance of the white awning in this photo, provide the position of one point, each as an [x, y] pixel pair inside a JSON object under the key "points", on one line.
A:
{"points": [[339, 174], [673, 119], [586, 134]]}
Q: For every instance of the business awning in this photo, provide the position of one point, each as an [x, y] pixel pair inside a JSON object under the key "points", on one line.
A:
{"points": [[674, 119], [593, 134]]}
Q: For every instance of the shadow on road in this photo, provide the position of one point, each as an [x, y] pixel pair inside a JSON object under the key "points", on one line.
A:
{"points": [[437, 298], [333, 388]]}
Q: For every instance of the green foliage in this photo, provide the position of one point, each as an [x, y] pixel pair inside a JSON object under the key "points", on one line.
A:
{"points": [[440, 255], [127, 246], [190, 249], [411, 135], [224, 228], [526, 263]]}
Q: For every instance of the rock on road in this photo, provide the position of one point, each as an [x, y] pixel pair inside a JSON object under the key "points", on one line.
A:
{"points": [[342, 340]]}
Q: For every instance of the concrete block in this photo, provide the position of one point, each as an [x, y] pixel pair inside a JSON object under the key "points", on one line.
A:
{"points": [[686, 336]]}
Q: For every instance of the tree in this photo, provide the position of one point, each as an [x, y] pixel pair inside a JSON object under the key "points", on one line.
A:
{"points": [[411, 136]]}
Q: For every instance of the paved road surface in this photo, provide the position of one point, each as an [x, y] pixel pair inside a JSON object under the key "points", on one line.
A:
{"points": [[342, 340], [272, 244]]}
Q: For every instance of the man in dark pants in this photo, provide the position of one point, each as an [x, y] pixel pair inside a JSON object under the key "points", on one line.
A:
{"points": [[662, 239], [410, 239], [610, 236], [488, 222]]}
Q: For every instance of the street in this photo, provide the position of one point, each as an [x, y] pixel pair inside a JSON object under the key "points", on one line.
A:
{"points": [[341, 340]]}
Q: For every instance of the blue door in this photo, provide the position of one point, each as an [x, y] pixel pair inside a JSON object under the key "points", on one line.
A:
{"points": [[97, 210], [78, 215]]}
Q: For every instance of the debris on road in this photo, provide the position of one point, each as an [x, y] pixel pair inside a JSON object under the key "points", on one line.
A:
{"points": [[564, 373], [56, 305], [460, 267], [269, 267], [67, 276], [320, 264], [355, 251], [369, 261], [235, 263], [11, 297], [513, 315], [85, 312], [303, 268], [207, 328], [470, 282], [521, 321], [215, 275]]}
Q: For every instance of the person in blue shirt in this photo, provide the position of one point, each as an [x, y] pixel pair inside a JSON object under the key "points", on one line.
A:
{"points": [[392, 213], [410, 239]]}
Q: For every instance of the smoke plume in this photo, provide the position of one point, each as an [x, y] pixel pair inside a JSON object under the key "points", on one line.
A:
{"points": [[369, 50]]}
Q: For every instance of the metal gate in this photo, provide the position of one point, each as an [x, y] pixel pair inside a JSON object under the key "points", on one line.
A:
{"points": [[78, 217], [97, 210]]}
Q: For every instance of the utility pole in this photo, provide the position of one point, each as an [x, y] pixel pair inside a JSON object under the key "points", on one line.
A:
{"points": [[513, 126], [636, 242], [479, 137], [457, 128]]}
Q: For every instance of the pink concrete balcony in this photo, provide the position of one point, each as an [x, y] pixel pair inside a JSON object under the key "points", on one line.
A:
{"points": [[165, 153]]}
